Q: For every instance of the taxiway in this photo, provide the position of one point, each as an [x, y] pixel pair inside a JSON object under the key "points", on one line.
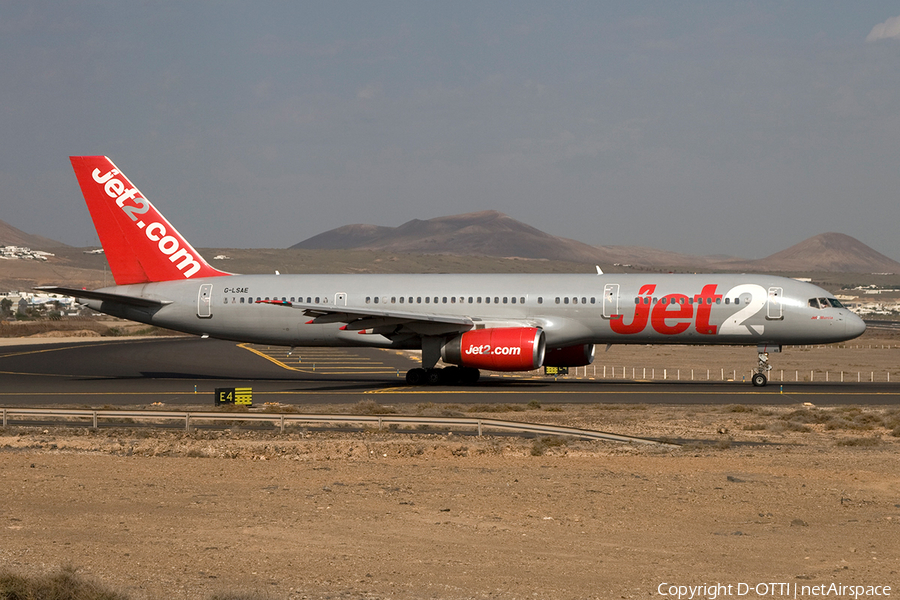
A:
{"points": [[185, 371]]}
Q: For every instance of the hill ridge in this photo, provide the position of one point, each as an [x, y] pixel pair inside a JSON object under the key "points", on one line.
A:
{"points": [[12, 236], [493, 233]]}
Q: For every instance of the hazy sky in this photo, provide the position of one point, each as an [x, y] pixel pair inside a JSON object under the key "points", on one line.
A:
{"points": [[700, 127]]}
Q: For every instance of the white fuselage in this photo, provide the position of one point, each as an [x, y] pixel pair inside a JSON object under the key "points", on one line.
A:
{"points": [[570, 309]]}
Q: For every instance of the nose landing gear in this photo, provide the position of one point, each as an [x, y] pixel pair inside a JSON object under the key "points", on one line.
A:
{"points": [[760, 376]]}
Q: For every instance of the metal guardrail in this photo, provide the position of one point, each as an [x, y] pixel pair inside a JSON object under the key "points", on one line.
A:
{"points": [[281, 420]]}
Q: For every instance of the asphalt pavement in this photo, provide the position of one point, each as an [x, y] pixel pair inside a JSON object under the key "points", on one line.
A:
{"points": [[185, 371]]}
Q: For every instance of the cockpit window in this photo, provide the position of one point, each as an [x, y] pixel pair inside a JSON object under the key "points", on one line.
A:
{"points": [[825, 303]]}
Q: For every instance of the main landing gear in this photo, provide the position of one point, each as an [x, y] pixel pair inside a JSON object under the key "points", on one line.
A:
{"points": [[430, 375], [446, 376], [760, 376]]}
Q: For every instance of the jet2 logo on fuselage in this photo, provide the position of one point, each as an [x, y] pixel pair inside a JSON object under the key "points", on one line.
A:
{"points": [[674, 313]]}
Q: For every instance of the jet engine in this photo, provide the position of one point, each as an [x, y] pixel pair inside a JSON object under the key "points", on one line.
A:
{"points": [[570, 356], [497, 349]]}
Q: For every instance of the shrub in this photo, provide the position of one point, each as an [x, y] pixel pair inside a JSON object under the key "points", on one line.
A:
{"points": [[542, 444], [860, 441], [370, 407], [57, 586]]}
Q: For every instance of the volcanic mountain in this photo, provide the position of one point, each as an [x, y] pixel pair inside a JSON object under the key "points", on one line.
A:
{"points": [[830, 252], [491, 233], [10, 236]]}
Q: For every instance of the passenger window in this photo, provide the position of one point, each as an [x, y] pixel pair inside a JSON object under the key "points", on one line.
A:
{"points": [[376, 299], [584, 300], [487, 300], [540, 300], [565, 300], [452, 299], [444, 300], [419, 300], [737, 300], [368, 299], [594, 300], [427, 300], [470, 299], [435, 299], [496, 300], [242, 299], [557, 300], [401, 299], [478, 299]]}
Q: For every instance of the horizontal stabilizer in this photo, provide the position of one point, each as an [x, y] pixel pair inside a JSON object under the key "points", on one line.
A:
{"points": [[104, 296]]}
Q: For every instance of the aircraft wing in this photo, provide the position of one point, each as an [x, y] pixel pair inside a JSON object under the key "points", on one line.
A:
{"points": [[104, 296], [359, 319]]}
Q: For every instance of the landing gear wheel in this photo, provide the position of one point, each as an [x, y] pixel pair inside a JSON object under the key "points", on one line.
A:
{"points": [[469, 376], [759, 380], [435, 376], [451, 375], [416, 376]]}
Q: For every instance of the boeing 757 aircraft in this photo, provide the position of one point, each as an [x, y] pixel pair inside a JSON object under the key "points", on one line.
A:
{"points": [[493, 322]]}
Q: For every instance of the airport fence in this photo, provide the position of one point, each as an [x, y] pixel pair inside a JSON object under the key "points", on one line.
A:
{"points": [[659, 371], [194, 419], [634, 373]]}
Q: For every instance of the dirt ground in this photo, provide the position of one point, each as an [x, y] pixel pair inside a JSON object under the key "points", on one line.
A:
{"points": [[788, 494]]}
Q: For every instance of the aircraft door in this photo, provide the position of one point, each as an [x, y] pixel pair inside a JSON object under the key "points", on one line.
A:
{"points": [[610, 300], [204, 301], [774, 304], [340, 299]]}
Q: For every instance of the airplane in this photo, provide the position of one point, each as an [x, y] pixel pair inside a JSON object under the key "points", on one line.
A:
{"points": [[473, 322]]}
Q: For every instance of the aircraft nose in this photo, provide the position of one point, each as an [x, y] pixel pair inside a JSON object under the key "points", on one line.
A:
{"points": [[854, 325]]}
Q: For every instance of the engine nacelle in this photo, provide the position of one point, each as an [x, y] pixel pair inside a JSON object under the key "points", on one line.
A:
{"points": [[570, 356], [497, 349]]}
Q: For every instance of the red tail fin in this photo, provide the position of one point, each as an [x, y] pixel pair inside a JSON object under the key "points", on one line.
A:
{"points": [[140, 245]]}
